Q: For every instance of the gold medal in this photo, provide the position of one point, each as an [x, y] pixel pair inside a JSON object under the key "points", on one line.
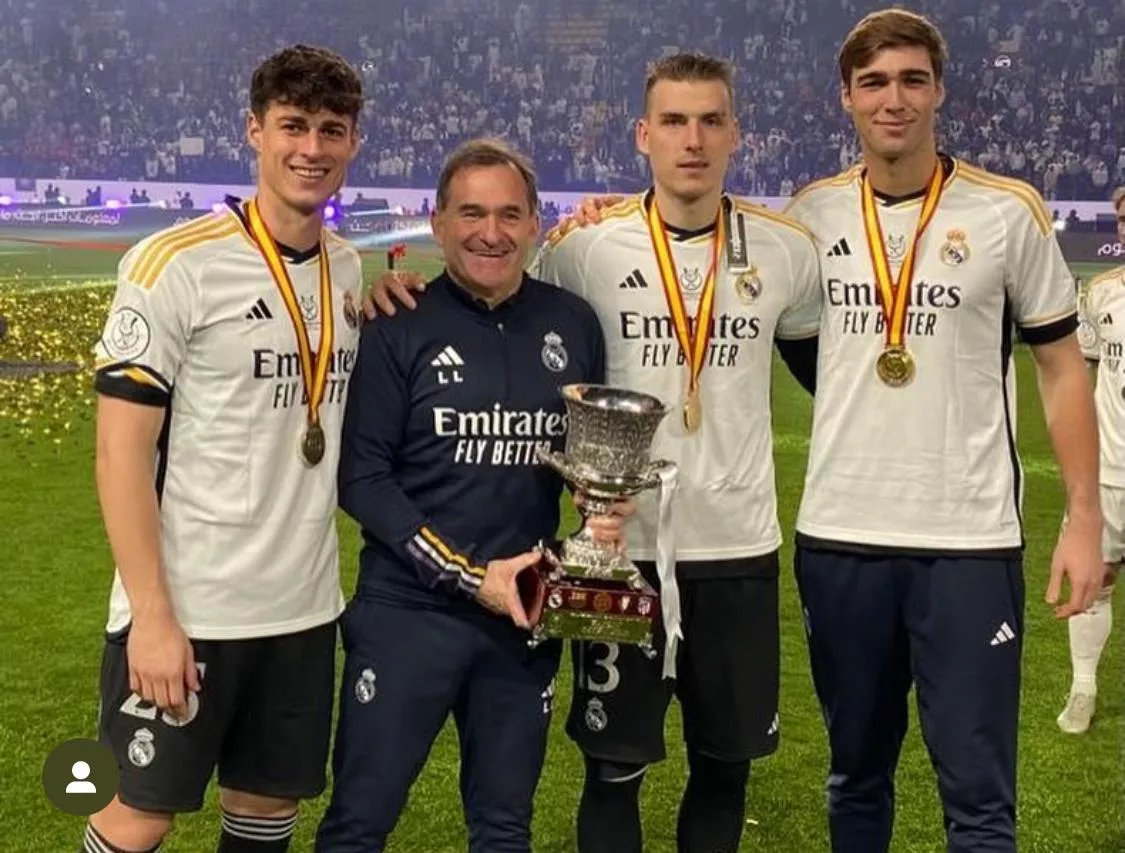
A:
{"points": [[895, 366], [693, 411], [313, 444], [314, 369], [692, 338]]}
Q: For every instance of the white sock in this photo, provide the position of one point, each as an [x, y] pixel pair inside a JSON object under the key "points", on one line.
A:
{"points": [[1089, 632]]}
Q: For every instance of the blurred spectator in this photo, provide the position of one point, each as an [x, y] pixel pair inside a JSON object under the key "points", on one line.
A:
{"points": [[89, 91]]}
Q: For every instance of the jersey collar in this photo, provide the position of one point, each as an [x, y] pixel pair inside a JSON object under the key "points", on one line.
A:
{"points": [[479, 306], [886, 200], [682, 235], [238, 207]]}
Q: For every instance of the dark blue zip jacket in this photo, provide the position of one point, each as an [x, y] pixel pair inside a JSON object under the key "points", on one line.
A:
{"points": [[446, 407]]}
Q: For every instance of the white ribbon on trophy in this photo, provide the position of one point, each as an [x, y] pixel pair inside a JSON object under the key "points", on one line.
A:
{"points": [[666, 569]]}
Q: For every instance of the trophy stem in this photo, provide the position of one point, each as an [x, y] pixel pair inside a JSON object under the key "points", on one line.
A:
{"points": [[596, 506]]}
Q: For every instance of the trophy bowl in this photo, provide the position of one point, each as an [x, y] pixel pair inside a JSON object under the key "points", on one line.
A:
{"points": [[591, 590]]}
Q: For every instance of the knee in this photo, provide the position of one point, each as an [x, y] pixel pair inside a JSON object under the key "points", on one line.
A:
{"points": [[717, 776], [255, 805], [614, 772], [129, 828]]}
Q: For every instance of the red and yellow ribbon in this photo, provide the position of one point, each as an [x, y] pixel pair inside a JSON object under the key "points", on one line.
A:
{"points": [[896, 294], [693, 342], [314, 374]]}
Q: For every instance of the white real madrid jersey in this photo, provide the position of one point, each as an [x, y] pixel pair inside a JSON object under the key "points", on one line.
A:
{"points": [[1101, 332], [725, 505], [932, 465], [197, 325]]}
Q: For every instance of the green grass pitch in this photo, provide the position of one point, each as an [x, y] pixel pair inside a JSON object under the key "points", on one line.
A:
{"points": [[56, 570]]}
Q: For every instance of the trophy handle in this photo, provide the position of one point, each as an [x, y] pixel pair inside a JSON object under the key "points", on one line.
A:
{"points": [[654, 471], [531, 584], [533, 592]]}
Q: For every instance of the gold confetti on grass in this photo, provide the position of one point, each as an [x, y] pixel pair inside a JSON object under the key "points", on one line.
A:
{"points": [[46, 361]]}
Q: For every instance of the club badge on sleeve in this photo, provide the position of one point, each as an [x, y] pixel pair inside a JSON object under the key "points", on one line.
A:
{"points": [[128, 335]]}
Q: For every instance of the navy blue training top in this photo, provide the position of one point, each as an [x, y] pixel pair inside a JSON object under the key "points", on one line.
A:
{"points": [[446, 406]]}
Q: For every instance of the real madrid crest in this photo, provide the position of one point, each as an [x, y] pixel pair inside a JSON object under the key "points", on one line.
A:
{"points": [[596, 717], [142, 748], [365, 686], [954, 251], [553, 353], [351, 316], [1087, 335], [748, 285]]}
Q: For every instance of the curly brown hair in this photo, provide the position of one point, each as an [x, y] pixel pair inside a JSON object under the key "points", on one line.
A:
{"points": [[309, 78]]}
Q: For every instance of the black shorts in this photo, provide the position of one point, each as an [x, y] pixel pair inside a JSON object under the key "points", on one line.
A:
{"points": [[263, 717], [727, 673]]}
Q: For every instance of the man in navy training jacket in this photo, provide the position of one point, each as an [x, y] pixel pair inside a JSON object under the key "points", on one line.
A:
{"points": [[448, 406]]}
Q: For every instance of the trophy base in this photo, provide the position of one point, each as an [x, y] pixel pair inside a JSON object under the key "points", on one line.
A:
{"points": [[597, 610], [582, 557]]}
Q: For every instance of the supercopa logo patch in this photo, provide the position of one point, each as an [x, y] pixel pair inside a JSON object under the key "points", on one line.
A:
{"points": [[128, 334]]}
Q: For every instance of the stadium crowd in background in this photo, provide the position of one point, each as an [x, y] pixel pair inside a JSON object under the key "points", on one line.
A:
{"points": [[89, 91]]}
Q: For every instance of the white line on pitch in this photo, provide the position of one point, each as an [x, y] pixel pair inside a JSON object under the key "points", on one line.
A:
{"points": [[75, 284]]}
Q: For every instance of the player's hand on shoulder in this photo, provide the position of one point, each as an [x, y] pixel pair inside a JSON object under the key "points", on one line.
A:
{"points": [[391, 287], [161, 663], [499, 590], [588, 212]]}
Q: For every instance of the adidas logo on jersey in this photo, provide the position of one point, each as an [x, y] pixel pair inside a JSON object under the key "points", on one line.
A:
{"points": [[840, 249], [633, 281], [1003, 635], [259, 311], [449, 364]]}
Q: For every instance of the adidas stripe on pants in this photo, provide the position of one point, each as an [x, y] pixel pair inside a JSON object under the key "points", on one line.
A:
{"points": [[952, 627]]}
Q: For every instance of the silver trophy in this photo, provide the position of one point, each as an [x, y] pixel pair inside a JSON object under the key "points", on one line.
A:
{"points": [[592, 590]]}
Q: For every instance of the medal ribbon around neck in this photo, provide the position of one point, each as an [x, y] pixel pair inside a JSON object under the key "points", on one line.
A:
{"points": [[694, 346], [314, 375], [895, 295]]}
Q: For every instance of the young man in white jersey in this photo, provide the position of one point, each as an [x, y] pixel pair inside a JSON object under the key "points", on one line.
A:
{"points": [[1102, 344], [910, 539], [910, 534], [679, 258], [221, 379]]}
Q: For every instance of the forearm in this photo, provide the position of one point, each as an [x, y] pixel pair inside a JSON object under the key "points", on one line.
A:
{"points": [[126, 491], [384, 511], [1068, 407]]}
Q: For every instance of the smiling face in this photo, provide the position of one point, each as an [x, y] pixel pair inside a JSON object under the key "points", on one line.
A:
{"points": [[688, 134], [1119, 210], [893, 101], [486, 226], [302, 156]]}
